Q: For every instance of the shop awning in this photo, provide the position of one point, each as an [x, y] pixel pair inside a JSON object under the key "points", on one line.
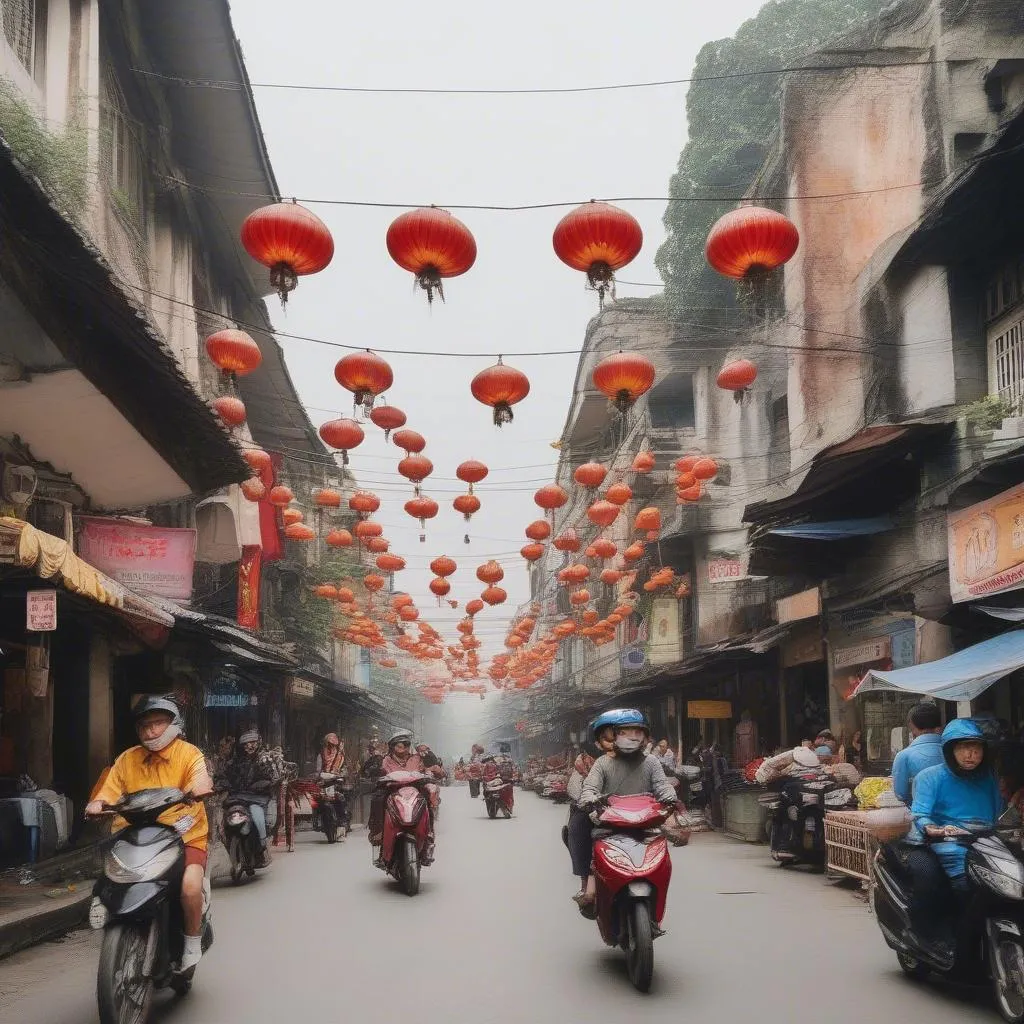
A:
{"points": [[51, 558], [837, 529], [961, 676]]}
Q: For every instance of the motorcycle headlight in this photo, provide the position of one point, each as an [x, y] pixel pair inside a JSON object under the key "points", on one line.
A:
{"points": [[117, 871], [1011, 888]]}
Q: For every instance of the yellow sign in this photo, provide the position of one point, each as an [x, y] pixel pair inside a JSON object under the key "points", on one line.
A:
{"points": [[986, 546], [704, 709]]}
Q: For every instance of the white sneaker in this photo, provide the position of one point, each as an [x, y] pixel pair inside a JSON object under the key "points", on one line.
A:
{"points": [[192, 954]]}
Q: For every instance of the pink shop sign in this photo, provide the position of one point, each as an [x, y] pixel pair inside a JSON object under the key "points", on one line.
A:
{"points": [[147, 559]]}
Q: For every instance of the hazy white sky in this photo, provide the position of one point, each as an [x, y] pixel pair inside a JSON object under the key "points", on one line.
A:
{"points": [[451, 150]]}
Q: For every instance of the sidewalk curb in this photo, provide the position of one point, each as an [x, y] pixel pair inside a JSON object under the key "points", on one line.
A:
{"points": [[44, 923]]}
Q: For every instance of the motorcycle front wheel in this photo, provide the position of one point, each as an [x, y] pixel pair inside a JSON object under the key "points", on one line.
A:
{"points": [[123, 994], [410, 869], [236, 857], [1006, 963], [640, 947], [330, 823], [492, 809]]}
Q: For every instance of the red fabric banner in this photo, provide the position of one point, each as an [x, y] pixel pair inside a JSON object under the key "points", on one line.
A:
{"points": [[249, 586]]}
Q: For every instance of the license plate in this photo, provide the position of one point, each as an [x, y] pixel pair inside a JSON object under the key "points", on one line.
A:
{"points": [[697, 787], [811, 825]]}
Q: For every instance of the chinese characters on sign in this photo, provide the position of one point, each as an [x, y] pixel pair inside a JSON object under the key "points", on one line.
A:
{"points": [[143, 558], [986, 546], [41, 611], [723, 570]]}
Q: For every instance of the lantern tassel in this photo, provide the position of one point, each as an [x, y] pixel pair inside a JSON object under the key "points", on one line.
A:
{"points": [[502, 413]]}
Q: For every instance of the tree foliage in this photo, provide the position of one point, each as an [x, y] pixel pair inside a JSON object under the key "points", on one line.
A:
{"points": [[731, 124]]}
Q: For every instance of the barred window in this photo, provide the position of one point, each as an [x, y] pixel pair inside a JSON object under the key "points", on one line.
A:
{"points": [[121, 152], [1005, 289], [1006, 359], [24, 24]]}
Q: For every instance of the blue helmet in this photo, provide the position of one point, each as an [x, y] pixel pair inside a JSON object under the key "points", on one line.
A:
{"points": [[619, 718]]}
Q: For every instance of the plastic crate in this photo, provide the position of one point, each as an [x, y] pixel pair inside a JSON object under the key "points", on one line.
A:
{"points": [[744, 817]]}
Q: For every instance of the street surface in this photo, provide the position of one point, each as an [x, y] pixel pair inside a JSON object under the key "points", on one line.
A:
{"points": [[494, 938]]}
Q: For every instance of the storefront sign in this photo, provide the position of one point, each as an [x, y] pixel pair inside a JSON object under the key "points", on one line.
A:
{"points": [[150, 559], [249, 567], [41, 611], [725, 570], [986, 547], [707, 709], [665, 646], [871, 650], [302, 688], [226, 693], [804, 605], [803, 648]]}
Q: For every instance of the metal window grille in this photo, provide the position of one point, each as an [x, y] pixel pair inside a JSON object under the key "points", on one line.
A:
{"points": [[121, 151], [1006, 360], [20, 24]]}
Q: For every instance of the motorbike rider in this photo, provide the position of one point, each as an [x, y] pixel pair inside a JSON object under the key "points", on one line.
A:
{"points": [[401, 758], [949, 799], [331, 758], [924, 724], [164, 759], [625, 771], [251, 771], [578, 831]]}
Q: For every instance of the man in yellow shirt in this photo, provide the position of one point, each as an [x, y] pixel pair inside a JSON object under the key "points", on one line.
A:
{"points": [[164, 759]]}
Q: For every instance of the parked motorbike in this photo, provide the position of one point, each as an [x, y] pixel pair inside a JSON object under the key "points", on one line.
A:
{"points": [[404, 849], [796, 822], [240, 836], [137, 904], [989, 943], [632, 868], [498, 796], [331, 813], [691, 786]]}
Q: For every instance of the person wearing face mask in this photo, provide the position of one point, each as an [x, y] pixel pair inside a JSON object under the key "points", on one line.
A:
{"points": [[625, 771], [164, 760], [251, 771]]}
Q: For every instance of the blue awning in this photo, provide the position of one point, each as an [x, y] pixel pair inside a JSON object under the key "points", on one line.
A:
{"points": [[961, 676], [837, 529]]}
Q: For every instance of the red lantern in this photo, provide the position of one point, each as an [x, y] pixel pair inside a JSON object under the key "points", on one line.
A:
{"points": [[590, 475], [411, 442], [603, 513], [364, 503], [299, 531], [440, 588], [633, 552], [443, 566], [328, 591], [643, 463], [474, 607], [415, 468], [737, 377], [365, 374], [366, 529], [604, 548], [290, 240], [619, 494], [687, 494], [493, 596], [490, 572], [373, 582], [433, 245], [467, 504], [624, 377], [579, 597], [550, 497], [500, 387], [539, 529], [471, 472], [291, 515], [253, 488], [343, 434], [648, 519], [339, 539], [234, 353], [390, 563], [327, 497], [751, 241], [280, 496], [377, 545], [260, 463], [705, 469], [610, 577], [567, 540], [388, 418], [532, 552], [598, 239], [422, 508], [230, 409]]}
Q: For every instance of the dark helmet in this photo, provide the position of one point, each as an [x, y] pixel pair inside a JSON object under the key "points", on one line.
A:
{"points": [[619, 718]]}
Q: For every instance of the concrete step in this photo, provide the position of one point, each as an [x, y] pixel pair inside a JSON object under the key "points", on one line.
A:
{"points": [[35, 913]]}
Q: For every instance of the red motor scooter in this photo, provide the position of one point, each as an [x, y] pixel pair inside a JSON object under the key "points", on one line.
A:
{"points": [[498, 793], [407, 828], [632, 868]]}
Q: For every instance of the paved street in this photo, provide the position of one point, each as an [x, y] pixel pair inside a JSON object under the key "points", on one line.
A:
{"points": [[493, 934]]}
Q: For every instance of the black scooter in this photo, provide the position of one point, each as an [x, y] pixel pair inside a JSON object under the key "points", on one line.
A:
{"points": [[241, 838], [331, 812], [989, 932], [796, 823], [137, 904]]}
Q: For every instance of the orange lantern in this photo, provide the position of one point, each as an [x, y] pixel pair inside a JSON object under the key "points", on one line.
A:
{"points": [[467, 504], [373, 582], [643, 463], [443, 566], [234, 353], [648, 519], [259, 461], [253, 488], [290, 240], [230, 409], [327, 497], [685, 480], [433, 245], [737, 377], [619, 494], [377, 545], [399, 601], [299, 531], [415, 468], [750, 242], [578, 597], [364, 503], [292, 515], [388, 418], [343, 435], [590, 475], [633, 552], [327, 591], [603, 513], [365, 374], [494, 595], [598, 239], [610, 577], [500, 387], [686, 463], [624, 377], [538, 530], [280, 496], [390, 563], [532, 552], [440, 588], [490, 572], [339, 539], [471, 472], [474, 607], [550, 497], [422, 508], [410, 441], [689, 493], [409, 613], [366, 529], [705, 469], [604, 548], [567, 540]]}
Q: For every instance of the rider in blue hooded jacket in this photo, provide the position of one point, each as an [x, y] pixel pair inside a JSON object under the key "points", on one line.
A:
{"points": [[959, 793]]}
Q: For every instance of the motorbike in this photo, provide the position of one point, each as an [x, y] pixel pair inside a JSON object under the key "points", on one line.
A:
{"points": [[241, 838], [796, 818], [498, 796], [137, 904], [330, 807], [632, 868], [691, 786], [406, 828], [990, 928], [474, 773]]}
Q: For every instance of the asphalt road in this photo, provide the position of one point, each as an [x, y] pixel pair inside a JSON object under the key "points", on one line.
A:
{"points": [[493, 937]]}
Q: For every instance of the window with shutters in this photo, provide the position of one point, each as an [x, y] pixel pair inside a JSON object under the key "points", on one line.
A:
{"points": [[1006, 358]]}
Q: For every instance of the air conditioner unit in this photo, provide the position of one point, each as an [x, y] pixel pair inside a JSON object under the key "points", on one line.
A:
{"points": [[19, 485]]}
